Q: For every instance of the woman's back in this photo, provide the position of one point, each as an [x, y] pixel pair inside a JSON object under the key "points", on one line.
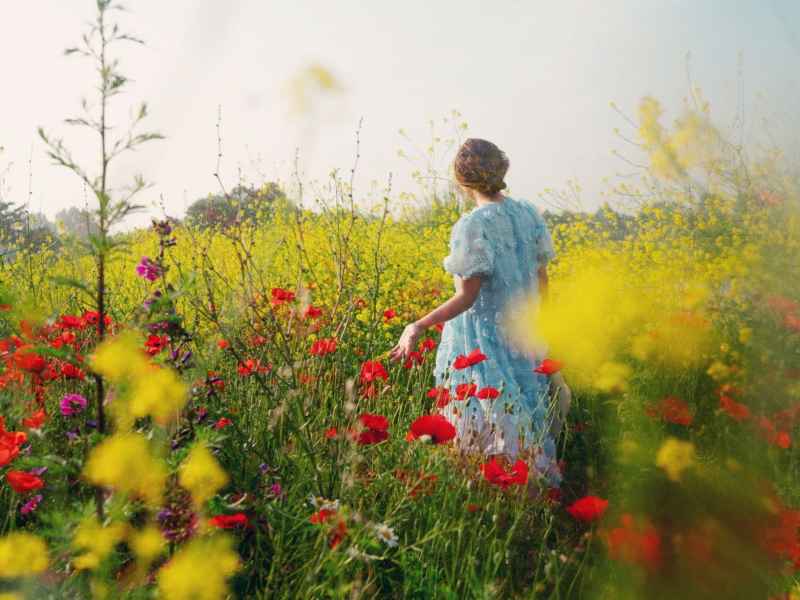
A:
{"points": [[506, 242]]}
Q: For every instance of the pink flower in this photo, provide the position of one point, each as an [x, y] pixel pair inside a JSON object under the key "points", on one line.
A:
{"points": [[73, 404], [31, 505], [148, 269]]}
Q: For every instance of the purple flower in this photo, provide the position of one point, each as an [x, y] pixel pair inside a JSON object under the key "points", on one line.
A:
{"points": [[148, 269], [72, 404], [276, 489], [72, 435], [31, 505]]}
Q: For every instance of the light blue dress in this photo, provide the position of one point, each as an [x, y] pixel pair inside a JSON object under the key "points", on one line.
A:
{"points": [[504, 243]]}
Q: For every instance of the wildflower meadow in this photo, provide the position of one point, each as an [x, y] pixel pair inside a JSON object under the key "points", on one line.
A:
{"points": [[206, 409]]}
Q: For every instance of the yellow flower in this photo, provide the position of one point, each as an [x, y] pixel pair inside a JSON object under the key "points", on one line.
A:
{"points": [[120, 357], [201, 474], [612, 377], [160, 394], [124, 462], [22, 554], [147, 544], [674, 457], [96, 541], [199, 570]]}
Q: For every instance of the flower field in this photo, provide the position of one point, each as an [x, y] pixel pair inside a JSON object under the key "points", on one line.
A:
{"points": [[239, 430], [204, 412]]}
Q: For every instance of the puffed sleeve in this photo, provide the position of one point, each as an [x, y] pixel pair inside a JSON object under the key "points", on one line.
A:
{"points": [[471, 252]]}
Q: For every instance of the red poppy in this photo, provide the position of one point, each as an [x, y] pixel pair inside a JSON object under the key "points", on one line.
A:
{"points": [[497, 475], [257, 340], [414, 358], [229, 521], [322, 516], [251, 366], [427, 345], [323, 346], [372, 436], [588, 508], [439, 327], [22, 482], [375, 429], [371, 421], [640, 545], [549, 366], [281, 296], [389, 314], [792, 321], [70, 371], [155, 344], [70, 322], [36, 420], [10, 441], [372, 370], [554, 495], [488, 393], [223, 344], [472, 507], [338, 534], [223, 423], [312, 312], [466, 390], [331, 433], [441, 395], [470, 360], [735, 410], [672, 410], [27, 360], [433, 427]]}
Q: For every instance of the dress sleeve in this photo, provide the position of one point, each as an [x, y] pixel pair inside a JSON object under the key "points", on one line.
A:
{"points": [[471, 252]]}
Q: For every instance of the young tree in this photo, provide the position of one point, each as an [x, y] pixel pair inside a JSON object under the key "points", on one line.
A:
{"points": [[113, 205]]}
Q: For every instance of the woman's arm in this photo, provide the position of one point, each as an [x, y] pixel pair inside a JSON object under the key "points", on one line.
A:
{"points": [[467, 291], [543, 282]]}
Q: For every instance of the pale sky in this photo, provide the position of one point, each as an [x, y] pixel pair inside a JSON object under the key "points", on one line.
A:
{"points": [[534, 76]]}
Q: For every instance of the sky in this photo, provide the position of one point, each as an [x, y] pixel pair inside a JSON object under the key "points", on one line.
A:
{"points": [[536, 77]]}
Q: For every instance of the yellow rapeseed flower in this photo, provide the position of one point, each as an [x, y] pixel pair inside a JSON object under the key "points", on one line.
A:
{"points": [[674, 457], [199, 570], [22, 554], [96, 541], [120, 357], [201, 474], [147, 544], [125, 463], [161, 394]]}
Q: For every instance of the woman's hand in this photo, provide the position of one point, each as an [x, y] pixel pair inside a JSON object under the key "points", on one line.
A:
{"points": [[408, 342]]}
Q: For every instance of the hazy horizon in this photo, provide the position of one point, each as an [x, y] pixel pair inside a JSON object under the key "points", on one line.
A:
{"points": [[535, 78]]}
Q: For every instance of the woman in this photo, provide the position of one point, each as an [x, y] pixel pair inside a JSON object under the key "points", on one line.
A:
{"points": [[498, 254]]}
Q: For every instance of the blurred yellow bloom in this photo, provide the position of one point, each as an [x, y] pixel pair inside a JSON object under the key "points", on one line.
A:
{"points": [[160, 394], [22, 554], [199, 570], [674, 457], [96, 541], [612, 377], [147, 544], [201, 474], [120, 357], [125, 463]]}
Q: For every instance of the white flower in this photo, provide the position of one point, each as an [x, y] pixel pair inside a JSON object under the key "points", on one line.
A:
{"points": [[386, 534], [321, 503]]}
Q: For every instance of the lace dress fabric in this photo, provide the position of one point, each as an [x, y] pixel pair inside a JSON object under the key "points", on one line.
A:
{"points": [[504, 243]]}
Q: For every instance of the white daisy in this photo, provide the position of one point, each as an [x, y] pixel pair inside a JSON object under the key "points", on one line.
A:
{"points": [[386, 534]]}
